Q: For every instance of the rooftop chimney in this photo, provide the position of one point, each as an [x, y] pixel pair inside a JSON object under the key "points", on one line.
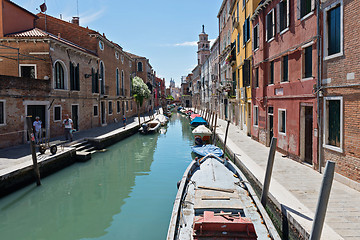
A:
{"points": [[75, 20]]}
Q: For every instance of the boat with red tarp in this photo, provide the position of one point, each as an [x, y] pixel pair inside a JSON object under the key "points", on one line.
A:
{"points": [[215, 201]]}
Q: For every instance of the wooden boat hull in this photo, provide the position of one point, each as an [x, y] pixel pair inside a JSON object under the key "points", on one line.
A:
{"points": [[212, 187]]}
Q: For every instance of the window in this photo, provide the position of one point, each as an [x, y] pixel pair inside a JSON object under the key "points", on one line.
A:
{"points": [[256, 116], [283, 15], [28, 70], [57, 113], [256, 77], [94, 81], [305, 7], [271, 70], [74, 77], [333, 35], [2, 113], [117, 82], [110, 108], [127, 106], [131, 105], [96, 111], [285, 68], [270, 25], [130, 64], [238, 43], [117, 55], [246, 31], [102, 78], [282, 121], [122, 59], [118, 109], [307, 62], [333, 117], [59, 76], [101, 45], [140, 67], [256, 37], [122, 84], [244, 2]]}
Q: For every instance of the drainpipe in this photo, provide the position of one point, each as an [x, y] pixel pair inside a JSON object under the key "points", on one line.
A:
{"points": [[318, 92]]}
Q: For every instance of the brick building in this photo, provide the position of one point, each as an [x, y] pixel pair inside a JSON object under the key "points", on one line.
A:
{"points": [[284, 74], [340, 86], [84, 74]]}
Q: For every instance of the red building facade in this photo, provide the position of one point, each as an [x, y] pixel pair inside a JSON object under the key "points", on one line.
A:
{"points": [[284, 74]]}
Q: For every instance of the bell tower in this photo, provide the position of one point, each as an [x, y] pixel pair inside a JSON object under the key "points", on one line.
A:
{"points": [[203, 46]]}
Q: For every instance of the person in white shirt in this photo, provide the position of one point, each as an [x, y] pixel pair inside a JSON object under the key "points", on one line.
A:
{"points": [[37, 129], [68, 127]]}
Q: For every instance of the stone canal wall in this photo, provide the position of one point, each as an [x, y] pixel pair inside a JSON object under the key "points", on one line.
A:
{"points": [[21, 175]]}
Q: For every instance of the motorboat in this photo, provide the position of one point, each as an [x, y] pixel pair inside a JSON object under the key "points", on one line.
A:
{"points": [[150, 127], [215, 201], [202, 134], [198, 121]]}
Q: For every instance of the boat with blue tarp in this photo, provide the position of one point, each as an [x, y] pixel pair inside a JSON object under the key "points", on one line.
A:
{"points": [[198, 121], [207, 149]]}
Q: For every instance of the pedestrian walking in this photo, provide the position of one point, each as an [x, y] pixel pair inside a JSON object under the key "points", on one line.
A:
{"points": [[124, 120], [37, 129], [68, 127]]}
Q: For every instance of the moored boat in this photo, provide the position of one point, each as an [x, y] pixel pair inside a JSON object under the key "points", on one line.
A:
{"points": [[215, 201], [203, 150], [198, 121], [162, 119], [203, 133], [150, 127]]}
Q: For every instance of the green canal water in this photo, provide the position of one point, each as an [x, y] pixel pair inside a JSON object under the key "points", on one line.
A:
{"points": [[126, 192]]}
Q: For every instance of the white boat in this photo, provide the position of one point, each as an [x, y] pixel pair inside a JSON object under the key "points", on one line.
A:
{"points": [[215, 201], [162, 119], [150, 127], [203, 133]]}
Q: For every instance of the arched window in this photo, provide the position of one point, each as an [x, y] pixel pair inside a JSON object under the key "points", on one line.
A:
{"points": [[59, 76], [117, 82], [140, 67], [122, 83], [102, 78]]}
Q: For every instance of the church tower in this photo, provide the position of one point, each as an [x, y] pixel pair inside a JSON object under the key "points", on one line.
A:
{"points": [[203, 46]]}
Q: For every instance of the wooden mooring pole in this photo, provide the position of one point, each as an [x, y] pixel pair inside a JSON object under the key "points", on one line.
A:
{"points": [[213, 140], [268, 173], [323, 201], [33, 151], [226, 133]]}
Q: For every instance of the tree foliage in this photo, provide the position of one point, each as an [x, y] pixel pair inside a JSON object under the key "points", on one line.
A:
{"points": [[140, 90]]}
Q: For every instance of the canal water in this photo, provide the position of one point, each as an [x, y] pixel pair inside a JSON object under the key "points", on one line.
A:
{"points": [[126, 192]]}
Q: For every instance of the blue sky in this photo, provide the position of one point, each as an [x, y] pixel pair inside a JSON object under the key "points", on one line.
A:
{"points": [[165, 31]]}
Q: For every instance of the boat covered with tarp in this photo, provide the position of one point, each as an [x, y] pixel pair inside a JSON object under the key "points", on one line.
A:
{"points": [[162, 119], [216, 201], [198, 121], [194, 115], [203, 150]]}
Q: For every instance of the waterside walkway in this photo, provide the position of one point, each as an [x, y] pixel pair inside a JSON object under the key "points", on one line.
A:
{"points": [[295, 188]]}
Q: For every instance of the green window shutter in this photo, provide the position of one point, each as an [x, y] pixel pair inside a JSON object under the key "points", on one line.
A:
{"points": [[334, 123], [77, 78]]}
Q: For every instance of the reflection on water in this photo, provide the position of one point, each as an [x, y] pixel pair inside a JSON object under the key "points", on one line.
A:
{"points": [[126, 192]]}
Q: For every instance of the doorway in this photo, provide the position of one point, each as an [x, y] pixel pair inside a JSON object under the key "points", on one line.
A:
{"points": [[75, 116], [103, 112], [37, 111], [306, 133]]}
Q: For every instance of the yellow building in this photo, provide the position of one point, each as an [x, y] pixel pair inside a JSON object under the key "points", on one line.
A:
{"points": [[241, 12]]}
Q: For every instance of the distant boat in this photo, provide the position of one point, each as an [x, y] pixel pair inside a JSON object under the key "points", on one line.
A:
{"points": [[203, 133], [215, 201], [198, 121], [150, 127], [194, 115], [207, 149]]}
